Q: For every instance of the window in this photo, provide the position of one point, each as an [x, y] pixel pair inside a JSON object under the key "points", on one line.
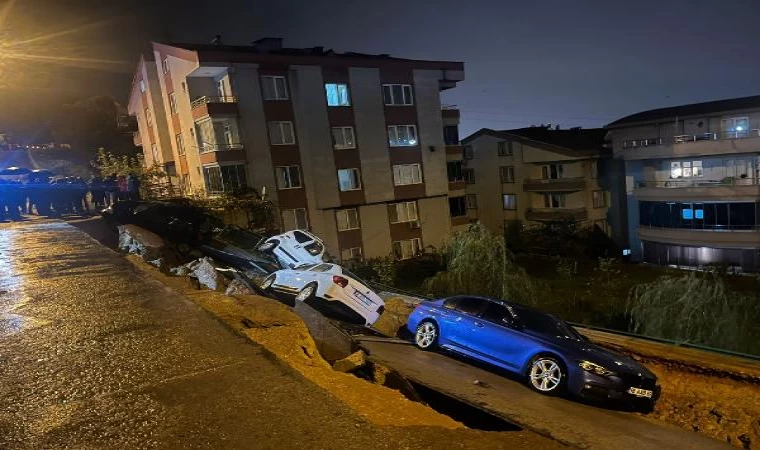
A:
{"points": [[274, 88], [454, 171], [467, 305], [505, 148], [472, 201], [509, 201], [594, 170], [469, 176], [281, 133], [294, 219], [467, 152], [552, 171], [165, 65], [554, 200], [142, 86], [148, 117], [497, 314], [180, 144], [398, 94], [347, 219], [600, 199], [348, 180], [343, 138], [407, 249], [173, 103], [686, 169], [451, 135], [351, 254], [735, 126], [288, 177], [507, 174], [228, 134], [457, 206], [224, 178], [402, 135], [403, 212], [404, 174], [337, 94], [154, 152]]}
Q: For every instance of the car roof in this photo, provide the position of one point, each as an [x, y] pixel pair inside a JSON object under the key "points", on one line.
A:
{"points": [[499, 301]]}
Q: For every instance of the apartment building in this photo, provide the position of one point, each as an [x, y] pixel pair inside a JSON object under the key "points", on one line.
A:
{"points": [[693, 183], [536, 175], [348, 145]]}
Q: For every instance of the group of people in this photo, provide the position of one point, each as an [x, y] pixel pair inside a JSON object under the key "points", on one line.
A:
{"points": [[64, 195]]}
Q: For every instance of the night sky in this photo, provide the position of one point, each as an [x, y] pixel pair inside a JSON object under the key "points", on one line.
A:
{"points": [[573, 63]]}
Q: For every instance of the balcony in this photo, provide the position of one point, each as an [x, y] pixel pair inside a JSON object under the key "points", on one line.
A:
{"points": [[723, 142], [556, 214], [745, 237], [450, 111], [216, 153], [207, 147], [728, 188], [554, 185], [206, 106]]}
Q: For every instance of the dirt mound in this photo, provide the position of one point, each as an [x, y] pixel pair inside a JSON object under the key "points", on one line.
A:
{"points": [[394, 317]]}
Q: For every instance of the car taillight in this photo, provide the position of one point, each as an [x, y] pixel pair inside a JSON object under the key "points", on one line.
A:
{"points": [[340, 281]]}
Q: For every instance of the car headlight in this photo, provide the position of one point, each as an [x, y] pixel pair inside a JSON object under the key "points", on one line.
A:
{"points": [[594, 368]]}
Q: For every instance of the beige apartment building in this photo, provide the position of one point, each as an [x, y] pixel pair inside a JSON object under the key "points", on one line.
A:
{"points": [[692, 176], [535, 175], [350, 146]]}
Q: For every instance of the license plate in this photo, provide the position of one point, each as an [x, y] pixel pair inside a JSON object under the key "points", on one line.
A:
{"points": [[640, 392], [362, 298]]}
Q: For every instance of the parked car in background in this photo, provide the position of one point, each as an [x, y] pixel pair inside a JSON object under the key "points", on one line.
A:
{"points": [[551, 354], [330, 282], [295, 248]]}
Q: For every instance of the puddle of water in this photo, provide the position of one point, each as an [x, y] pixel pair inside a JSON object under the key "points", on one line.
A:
{"points": [[11, 294]]}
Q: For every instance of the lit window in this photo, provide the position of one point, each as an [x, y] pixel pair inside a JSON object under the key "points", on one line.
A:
{"points": [[343, 138], [295, 219], [180, 144], [404, 174], [554, 200], [686, 169], [351, 254], [472, 201], [347, 219], [509, 201], [402, 212], [274, 88], [337, 94], [552, 171], [348, 180], [398, 94], [288, 177], [507, 174], [173, 103], [281, 133], [675, 169], [402, 135], [407, 249], [735, 126], [599, 199]]}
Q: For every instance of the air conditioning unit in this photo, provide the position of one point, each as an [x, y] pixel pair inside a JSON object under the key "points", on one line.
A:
{"points": [[415, 225]]}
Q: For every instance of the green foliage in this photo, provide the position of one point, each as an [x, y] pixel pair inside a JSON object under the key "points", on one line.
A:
{"points": [[107, 163], [567, 268], [379, 270], [696, 308], [479, 263], [259, 213]]}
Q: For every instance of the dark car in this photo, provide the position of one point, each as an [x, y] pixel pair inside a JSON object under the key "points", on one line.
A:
{"points": [[177, 221], [238, 248], [551, 354]]}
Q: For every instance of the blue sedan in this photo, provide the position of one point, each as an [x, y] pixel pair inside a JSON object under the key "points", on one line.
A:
{"points": [[552, 356]]}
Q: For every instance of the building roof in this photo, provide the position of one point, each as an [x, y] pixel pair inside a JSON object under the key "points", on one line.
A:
{"points": [[694, 109], [570, 142]]}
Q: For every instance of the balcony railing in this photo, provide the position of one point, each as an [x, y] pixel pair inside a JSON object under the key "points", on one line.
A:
{"points": [[200, 101], [685, 138], [556, 214], [206, 147], [696, 182], [554, 184]]}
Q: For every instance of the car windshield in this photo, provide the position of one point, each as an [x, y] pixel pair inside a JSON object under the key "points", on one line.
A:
{"points": [[240, 238], [544, 323]]}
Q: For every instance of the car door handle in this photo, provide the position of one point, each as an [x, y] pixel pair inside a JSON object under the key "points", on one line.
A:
{"points": [[478, 324]]}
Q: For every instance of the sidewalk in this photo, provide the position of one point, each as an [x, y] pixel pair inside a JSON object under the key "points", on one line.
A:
{"points": [[92, 355]]}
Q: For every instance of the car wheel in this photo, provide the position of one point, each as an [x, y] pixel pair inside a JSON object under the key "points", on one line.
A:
{"points": [[269, 246], [426, 336], [546, 375], [307, 293], [268, 282]]}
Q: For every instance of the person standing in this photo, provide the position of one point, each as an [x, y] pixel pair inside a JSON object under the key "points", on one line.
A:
{"points": [[121, 184], [110, 188], [133, 187], [97, 193]]}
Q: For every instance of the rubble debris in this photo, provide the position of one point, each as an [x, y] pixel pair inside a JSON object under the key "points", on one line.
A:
{"points": [[394, 317], [135, 240], [352, 362], [180, 271], [205, 271], [157, 262], [237, 287]]}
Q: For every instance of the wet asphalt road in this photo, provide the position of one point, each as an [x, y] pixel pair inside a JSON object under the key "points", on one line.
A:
{"points": [[92, 355]]}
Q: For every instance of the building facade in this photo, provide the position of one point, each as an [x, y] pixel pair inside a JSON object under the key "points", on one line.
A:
{"points": [[350, 146], [536, 175], [693, 183]]}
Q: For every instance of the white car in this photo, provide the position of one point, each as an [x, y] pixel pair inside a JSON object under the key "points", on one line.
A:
{"points": [[295, 248], [331, 282]]}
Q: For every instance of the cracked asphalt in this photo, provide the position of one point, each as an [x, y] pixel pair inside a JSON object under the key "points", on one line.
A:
{"points": [[92, 355]]}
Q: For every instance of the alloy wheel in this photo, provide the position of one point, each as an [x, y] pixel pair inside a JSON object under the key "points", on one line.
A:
{"points": [[545, 375], [426, 335]]}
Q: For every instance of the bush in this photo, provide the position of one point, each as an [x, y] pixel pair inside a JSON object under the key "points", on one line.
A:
{"points": [[696, 308]]}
